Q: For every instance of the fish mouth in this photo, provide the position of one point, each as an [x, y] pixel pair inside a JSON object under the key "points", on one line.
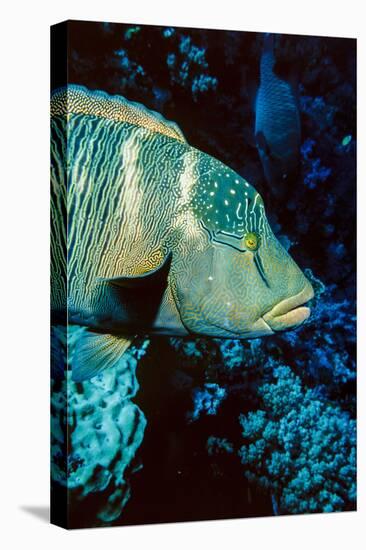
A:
{"points": [[260, 328], [291, 312]]}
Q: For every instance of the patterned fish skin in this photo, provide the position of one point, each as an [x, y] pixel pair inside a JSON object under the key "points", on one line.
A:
{"points": [[138, 193], [277, 121], [221, 287]]}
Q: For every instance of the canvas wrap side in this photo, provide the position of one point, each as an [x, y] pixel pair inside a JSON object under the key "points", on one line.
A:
{"points": [[58, 257]]}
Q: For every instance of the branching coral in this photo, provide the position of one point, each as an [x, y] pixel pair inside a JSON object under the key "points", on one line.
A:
{"points": [[207, 400], [299, 447], [317, 109], [217, 445], [132, 73], [314, 172], [188, 66]]}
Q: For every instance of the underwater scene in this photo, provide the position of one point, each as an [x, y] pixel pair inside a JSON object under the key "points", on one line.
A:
{"points": [[203, 275]]}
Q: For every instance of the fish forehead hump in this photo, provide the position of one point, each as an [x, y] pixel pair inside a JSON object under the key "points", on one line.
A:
{"points": [[224, 201]]}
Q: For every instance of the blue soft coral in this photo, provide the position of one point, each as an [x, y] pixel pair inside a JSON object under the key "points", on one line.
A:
{"points": [[301, 448]]}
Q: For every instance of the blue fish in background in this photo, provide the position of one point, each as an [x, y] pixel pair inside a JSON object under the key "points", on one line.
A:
{"points": [[277, 121]]}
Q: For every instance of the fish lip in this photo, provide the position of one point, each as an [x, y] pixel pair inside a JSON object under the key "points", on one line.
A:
{"points": [[229, 333], [291, 311], [255, 332]]}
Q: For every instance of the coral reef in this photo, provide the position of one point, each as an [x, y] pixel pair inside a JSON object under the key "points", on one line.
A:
{"points": [[186, 65], [300, 447], [207, 400], [101, 430]]}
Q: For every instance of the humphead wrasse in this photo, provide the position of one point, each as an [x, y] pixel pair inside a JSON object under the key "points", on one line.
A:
{"points": [[277, 122], [160, 237]]}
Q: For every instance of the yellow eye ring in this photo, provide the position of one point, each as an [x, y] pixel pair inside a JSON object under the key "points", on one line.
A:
{"points": [[252, 241]]}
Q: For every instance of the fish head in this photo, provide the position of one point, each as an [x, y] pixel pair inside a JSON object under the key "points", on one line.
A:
{"points": [[231, 277]]}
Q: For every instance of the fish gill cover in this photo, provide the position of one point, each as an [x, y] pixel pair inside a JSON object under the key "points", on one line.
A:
{"points": [[227, 428]]}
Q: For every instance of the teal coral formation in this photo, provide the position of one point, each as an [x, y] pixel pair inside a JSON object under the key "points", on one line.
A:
{"points": [[103, 428], [188, 67], [217, 445], [133, 73], [181, 58], [207, 400], [314, 172], [300, 447]]}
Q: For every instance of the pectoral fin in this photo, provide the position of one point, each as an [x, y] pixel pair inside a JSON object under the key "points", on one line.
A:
{"points": [[155, 278], [95, 352]]}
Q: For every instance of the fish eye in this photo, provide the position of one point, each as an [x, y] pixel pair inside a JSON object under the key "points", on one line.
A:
{"points": [[252, 241]]}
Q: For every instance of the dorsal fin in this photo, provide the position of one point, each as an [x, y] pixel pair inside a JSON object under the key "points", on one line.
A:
{"points": [[77, 100]]}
